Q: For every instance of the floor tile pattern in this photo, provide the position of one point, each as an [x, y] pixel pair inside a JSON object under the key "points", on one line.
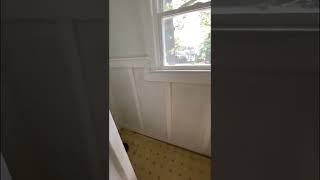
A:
{"points": [[155, 160]]}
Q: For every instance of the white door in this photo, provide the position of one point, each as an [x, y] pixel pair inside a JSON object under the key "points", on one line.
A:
{"points": [[120, 167], [5, 174]]}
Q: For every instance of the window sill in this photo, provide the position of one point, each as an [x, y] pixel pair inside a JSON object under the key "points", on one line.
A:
{"points": [[178, 76], [179, 71]]}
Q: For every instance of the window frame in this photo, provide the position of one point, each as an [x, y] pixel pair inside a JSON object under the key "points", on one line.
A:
{"points": [[157, 18]]}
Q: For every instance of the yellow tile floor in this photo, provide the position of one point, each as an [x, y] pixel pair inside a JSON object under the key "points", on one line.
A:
{"points": [[153, 160]]}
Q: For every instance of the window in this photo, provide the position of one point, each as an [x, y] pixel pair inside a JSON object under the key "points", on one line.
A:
{"points": [[183, 34]]}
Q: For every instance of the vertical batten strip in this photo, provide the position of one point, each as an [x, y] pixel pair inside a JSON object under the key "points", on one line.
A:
{"points": [[206, 147], [136, 98], [169, 111]]}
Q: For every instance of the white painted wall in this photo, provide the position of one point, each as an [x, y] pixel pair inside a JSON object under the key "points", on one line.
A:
{"points": [[126, 39], [172, 107]]}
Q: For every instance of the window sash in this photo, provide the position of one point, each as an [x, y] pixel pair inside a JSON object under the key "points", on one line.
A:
{"points": [[171, 13], [184, 10]]}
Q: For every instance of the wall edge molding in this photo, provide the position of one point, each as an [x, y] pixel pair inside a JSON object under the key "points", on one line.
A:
{"points": [[128, 62]]}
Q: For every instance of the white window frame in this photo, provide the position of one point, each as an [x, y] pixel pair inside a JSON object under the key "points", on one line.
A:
{"points": [[157, 63]]}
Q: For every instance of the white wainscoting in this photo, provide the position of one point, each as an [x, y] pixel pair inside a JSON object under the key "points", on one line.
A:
{"points": [[175, 112]]}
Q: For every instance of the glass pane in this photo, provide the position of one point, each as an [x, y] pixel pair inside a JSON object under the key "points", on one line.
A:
{"points": [[187, 39], [175, 4]]}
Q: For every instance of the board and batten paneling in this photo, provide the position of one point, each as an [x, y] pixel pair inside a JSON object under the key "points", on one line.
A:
{"points": [[190, 122], [173, 112], [124, 97], [153, 97]]}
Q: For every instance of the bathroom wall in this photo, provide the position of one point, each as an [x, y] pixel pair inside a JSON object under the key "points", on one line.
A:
{"points": [[174, 109]]}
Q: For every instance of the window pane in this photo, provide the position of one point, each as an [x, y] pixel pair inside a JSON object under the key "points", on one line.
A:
{"points": [[175, 4], [187, 39]]}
